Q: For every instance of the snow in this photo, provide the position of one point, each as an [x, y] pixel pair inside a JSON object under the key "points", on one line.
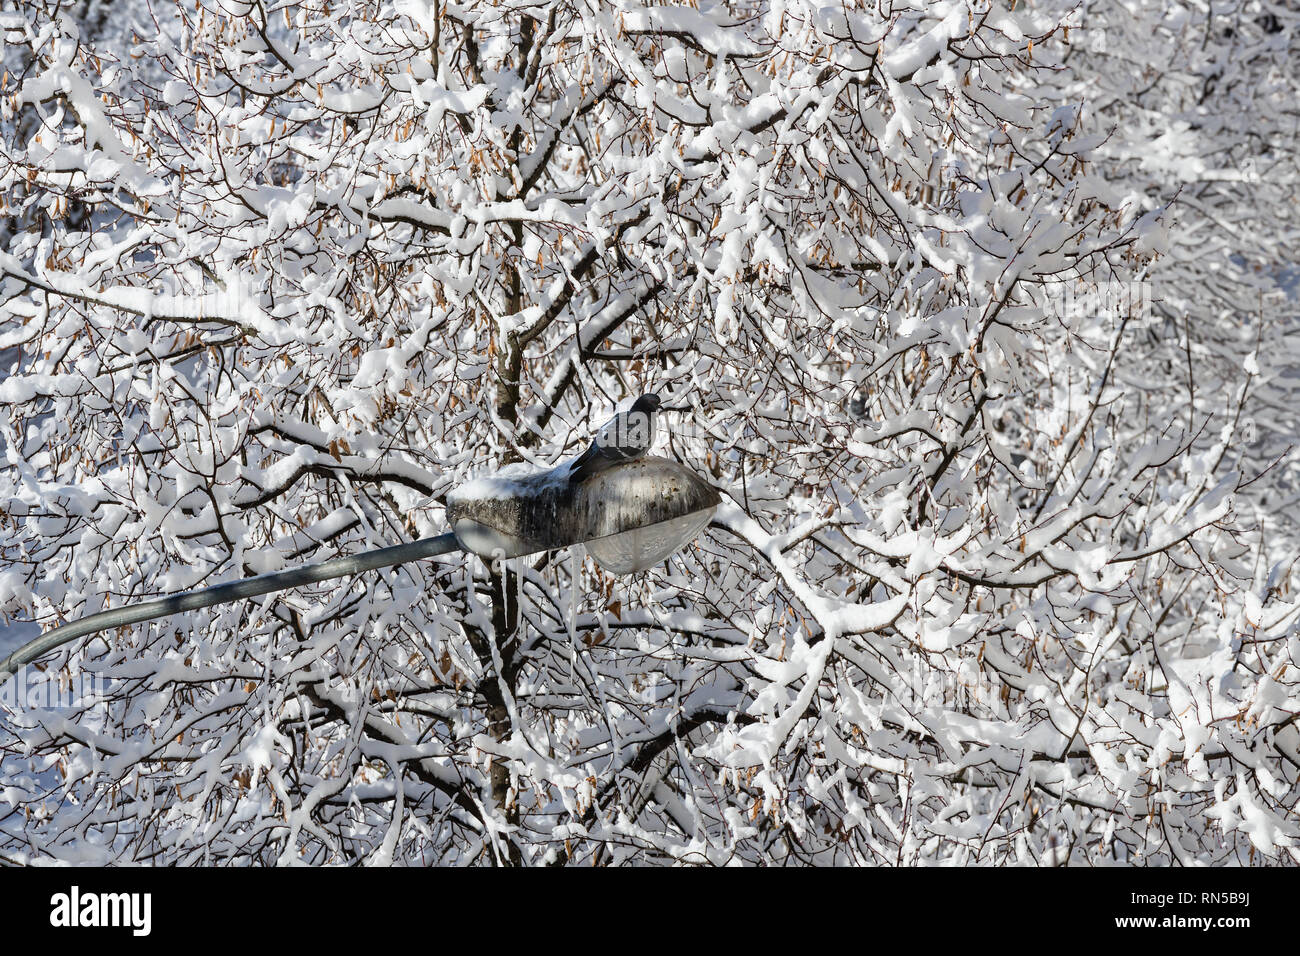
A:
{"points": [[509, 482], [278, 291]]}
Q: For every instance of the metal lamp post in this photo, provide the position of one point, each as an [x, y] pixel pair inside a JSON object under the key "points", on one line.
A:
{"points": [[630, 516]]}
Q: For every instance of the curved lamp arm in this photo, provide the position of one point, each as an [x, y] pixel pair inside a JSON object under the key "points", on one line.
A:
{"points": [[226, 593]]}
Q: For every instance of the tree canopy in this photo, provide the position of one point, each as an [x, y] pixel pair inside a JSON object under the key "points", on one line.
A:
{"points": [[976, 314]]}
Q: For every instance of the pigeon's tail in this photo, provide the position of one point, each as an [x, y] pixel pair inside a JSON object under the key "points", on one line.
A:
{"points": [[585, 465]]}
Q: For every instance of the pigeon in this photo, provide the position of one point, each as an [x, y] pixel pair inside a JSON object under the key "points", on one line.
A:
{"points": [[626, 436]]}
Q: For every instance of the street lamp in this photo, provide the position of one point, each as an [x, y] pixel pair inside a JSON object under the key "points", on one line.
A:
{"points": [[630, 516]]}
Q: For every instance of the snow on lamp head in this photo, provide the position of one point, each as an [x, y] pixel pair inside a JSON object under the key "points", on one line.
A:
{"points": [[630, 516]]}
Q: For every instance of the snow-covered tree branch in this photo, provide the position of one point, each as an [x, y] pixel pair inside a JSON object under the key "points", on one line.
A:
{"points": [[1000, 575]]}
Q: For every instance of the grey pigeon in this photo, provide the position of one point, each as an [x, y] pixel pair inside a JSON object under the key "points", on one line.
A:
{"points": [[626, 436]]}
